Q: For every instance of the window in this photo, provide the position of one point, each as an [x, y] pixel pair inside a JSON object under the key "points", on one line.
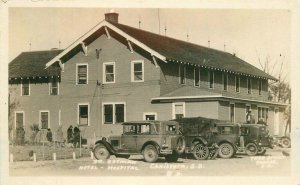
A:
{"points": [[225, 130], [149, 116], [182, 72], [129, 129], [137, 71], [82, 74], [171, 129], [25, 88], [211, 79], [231, 113], [109, 72], [263, 114], [225, 81], [248, 107], [249, 85], [259, 86], [237, 84], [178, 110], [54, 90], [19, 116], [113, 113], [196, 77], [143, 129], [44, 119], [83, 114]]}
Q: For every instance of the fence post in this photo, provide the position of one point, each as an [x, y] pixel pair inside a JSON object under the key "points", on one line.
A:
{"points": [[43, 150], [54, 156], [34, 157], [92, 155], [54, 140], [11, 158], [79, 144], [74, 156]]}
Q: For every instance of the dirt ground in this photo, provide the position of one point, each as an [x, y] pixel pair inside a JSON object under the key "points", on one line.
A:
{"points": [[273, 163]]}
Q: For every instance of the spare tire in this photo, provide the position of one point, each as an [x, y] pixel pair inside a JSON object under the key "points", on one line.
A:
{"points": [[180, 145]]}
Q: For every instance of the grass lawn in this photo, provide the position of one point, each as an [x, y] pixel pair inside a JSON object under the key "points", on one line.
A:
{"points": [[21, 153]]}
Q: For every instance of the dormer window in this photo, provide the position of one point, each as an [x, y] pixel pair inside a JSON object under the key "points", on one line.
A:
{"points": [[54, 86], [259, 86], [182, 72]]}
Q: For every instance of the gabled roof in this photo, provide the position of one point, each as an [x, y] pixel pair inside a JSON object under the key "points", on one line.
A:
{"points": [[172, 50], [181, 51], [32, 64]]}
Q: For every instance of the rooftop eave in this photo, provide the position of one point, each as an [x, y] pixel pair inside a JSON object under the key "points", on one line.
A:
{"points": [[220, 69], [115, 29], [216, 97]]}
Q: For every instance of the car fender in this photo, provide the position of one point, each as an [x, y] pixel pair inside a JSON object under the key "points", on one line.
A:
{"points": [[151, 143], [229, 142], [198, 140], [107, 145]]}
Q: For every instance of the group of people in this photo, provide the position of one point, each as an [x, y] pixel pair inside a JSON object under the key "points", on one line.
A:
{"points": [[73, 136], [251, 120]]}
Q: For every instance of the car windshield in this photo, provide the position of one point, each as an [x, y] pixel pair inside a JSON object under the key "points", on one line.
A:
{"points": [[171, 129]]}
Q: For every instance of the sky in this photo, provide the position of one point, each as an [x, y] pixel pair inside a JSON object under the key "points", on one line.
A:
{"points": [[252, 34]]}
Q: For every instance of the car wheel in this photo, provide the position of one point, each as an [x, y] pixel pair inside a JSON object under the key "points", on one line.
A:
{"points": [[261, 151], [101, 152], [251, 149], [180, 145], [122, 156], [200, 152], [150, 154], [285, 142], [226, 150], [172, 157]]}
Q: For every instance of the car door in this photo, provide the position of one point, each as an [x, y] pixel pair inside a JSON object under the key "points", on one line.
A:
{"points": [[128, 139]]}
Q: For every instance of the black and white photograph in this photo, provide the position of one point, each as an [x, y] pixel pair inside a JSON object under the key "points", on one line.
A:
{"points": [[154, 92]]}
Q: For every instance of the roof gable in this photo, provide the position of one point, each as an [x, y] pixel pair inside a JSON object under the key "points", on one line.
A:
{"points": [[172, 50]]}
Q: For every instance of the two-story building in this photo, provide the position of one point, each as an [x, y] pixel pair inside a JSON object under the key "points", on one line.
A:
{"points": [[116, 73]]}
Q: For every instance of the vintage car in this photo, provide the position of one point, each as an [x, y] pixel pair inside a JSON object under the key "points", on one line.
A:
{"points": [[149, 138], [228, 138], [256, 138], [199, 134]]}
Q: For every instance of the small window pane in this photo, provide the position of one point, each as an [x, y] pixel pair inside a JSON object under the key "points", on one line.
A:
{"points": [[19, 120], [82, 74], [237, 84], [109, 73], [182, 74], [54, 87], [211, 79], [83, 114], [225, 81], [150, 117], [108, 114], [25, 87], [197, 76], [138, 71], [44, 120], [138, 67], [119, 113]]}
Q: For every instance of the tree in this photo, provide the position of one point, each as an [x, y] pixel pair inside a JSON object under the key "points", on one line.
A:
{"points": [[279, 91]]}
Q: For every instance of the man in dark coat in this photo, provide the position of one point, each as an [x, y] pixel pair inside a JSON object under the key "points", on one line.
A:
{"points": [[70, 134], [76, 136], [49, 136]]}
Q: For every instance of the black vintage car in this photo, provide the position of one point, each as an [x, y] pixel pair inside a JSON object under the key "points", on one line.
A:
{"points": [[149, 138], [228, 138], [256, 138], [199, 134]]}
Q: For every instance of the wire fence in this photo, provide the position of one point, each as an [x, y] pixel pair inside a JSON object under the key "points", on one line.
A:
{"points": [[41, 149]]}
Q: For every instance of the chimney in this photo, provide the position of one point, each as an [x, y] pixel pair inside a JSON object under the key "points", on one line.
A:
{"points": [[112, 16]]}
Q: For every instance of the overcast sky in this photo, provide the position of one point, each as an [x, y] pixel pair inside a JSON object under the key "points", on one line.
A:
{"points": [[248, 33]]}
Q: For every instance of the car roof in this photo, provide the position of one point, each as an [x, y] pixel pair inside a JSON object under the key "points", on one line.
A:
{"points": [[148, 121]]}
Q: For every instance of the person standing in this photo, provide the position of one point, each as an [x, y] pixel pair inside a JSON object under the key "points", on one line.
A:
{"points": [[249, 118], [49, 136], [76, 136], [70, 134]]}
